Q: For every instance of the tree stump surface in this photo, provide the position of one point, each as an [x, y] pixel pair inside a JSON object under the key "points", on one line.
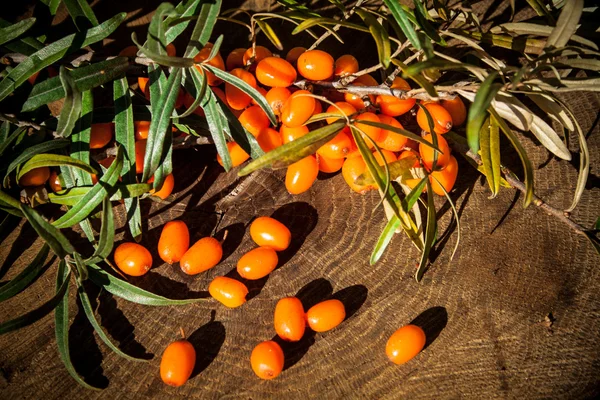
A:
{"points": [[515, 314]]}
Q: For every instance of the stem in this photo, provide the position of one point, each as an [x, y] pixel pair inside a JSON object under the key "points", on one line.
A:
{"points": [[336, 27]]}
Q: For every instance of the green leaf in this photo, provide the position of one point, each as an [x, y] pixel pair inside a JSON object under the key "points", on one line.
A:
{"points": [[13, 136], [198, 93], [55, 52], [169, 61], [384, 239], [26, 46], [437, 63], [380, 35], [26, 277], [15, 30], [94, 197], [33, 150], [403, 20], [53, 236], [207, 18], [156, 40], [430, 230], [580, 63], [409, 201], [296, 150], [71, 196], [72, 106], [527, 167], [477, 112], [420, 79], [566, 25], [182, 10], [527, 28], [239, 134], [81, 13], [52, 5], [9, 204], [490, 153], [422, 17], [107, 234], [540, 9], [84, 78], [129, 292], [216, 123], [53, 160], [270, 33], [400, 131], [246, 88], [37, 314], [397, 169], [309, 23], [80, 139]]}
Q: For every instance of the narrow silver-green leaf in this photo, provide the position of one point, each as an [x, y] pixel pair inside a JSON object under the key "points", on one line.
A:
{"points": [[71, 196], [410, 200], [477, 112], [419, 78], [11, 138], [400, 131], [527, 28], [566, 25], [80, 138], [15, 30], [216, 122], [80, 11], [554, 110], [380, 35], [199, 91], [423, 17], [107, 234], [490, 153], [26, 277], [209, 12], [53, 160], [309, 23], [182, 10], [9, 204], [384, 239], [548, 137], [239, 134], [72, 106], [403, 20], [168, 61], [430, 231], [53, 236]]}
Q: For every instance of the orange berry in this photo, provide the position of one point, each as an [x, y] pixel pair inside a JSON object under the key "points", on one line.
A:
{"points": [[442, 120], [254, 57], [220, 94], [390, 140], [445, 178], [457, 110], [330, 165], [393, 106], [405, 344], [174, 241], [357, 100], [366, 80], [289, 319], [33, 77], [141, 129], [257, 263], [293, 54], [235, 59], [202, 256], [387, 155], [275, 72], [216, 61], [427, 153], [171, 50], [236, 153], [276, 97], [129, 51], [337, 148], [180, 100], [140, 154], [35, 177], [291, 134], [318, 107], [315, 65], [254, 120], [354, 167], [177, 363], [166, 189], [54, 182], [345, 65], [144, 86], [301, 175], [326, 315], [188, 100], [410, 153], [101, 135], [269, 139], [267, 360], [347, 109], [297, 109], [237, 99], [371, 131], [268, 232], [228, 291], [133, 259]]}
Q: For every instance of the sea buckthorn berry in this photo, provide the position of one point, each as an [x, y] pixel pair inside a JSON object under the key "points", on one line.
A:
{"points": [[254, 120], [442, 120], [276, 97], [237, 99], [354, 167], [393, 106], [371, 131], [427, 152], [338, 147], [257, 263], [297, 109], [326, 315], [347, 109], [291, 134], [101, 135], [202, 256], [236, 153], [345, 65], [216, 61], [133, 259], [410, 153], [268, 232], [141, 129], [318, 107], [188, 100], [166, 189], [228, 291], [140, 154], [267, 360], [254, 57], [387, 155], [220, 94], [174, 241], [330, 165], [275, 72], [180, 98], [35, 177], [366, 80], [301, 175], [269, 139], [177, 363], [129, 51], [390, 140], [457, 110], [235, 59], [357, 100], [289, 319], [54, 182], [144, 86], [315, 65], [445, 178], [33, 77], [293, 54], [405, 344], [171, 50]]}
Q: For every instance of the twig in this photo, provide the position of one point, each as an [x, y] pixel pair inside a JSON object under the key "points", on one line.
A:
{"points": [[15, 121], [179, 142], [351, 78], [336, 27]]}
